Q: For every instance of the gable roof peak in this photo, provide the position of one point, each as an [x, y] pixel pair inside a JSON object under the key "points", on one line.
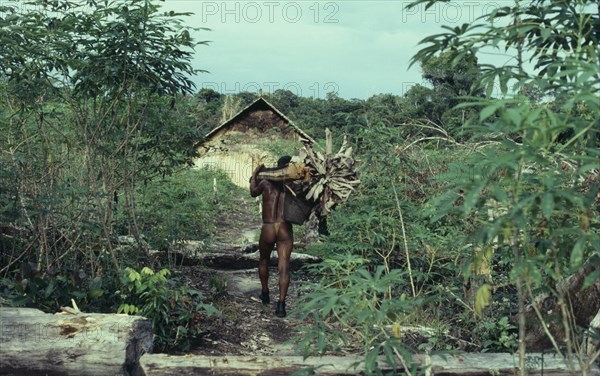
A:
{"points": [[258, 101]]}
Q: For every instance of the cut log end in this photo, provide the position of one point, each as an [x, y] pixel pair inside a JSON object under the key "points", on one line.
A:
{"points": [[34, 342]]}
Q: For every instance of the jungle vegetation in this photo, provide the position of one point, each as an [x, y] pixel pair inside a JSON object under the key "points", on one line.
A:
{"points": [[472, 205]]}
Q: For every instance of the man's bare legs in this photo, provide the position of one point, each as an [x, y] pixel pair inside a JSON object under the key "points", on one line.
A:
{"points": [[285, 243], [282, 235], [265, 246], [284, 251]]}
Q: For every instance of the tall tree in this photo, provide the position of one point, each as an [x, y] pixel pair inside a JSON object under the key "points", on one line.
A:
{"points": [[90, 93], [450, 83], [539, 190]]}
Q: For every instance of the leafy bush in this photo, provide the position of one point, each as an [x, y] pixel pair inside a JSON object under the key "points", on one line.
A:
{"points": [[176, 311], [47, 294], [498, 335], [536, 202], [28, 287], [181, 207], [354, 306], [84, 127]]}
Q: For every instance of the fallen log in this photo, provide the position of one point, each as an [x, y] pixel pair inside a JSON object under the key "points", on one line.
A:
{"points": [[163, 365], [34, 342], [245, 259], [469, 364], [591, 342]]}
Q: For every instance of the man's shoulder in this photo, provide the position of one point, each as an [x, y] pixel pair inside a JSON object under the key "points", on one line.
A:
{"points": [[269, 184], [264, 183]]}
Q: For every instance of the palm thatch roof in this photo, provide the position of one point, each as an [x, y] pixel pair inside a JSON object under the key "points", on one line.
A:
{"points": [[261, 104]]}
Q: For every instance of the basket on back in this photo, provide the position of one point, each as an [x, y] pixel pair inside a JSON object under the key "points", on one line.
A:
{"points": [[296, 208]]}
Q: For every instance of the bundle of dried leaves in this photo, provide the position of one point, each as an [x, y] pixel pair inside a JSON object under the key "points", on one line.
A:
{"points": [[326, 179], [333, 177]]}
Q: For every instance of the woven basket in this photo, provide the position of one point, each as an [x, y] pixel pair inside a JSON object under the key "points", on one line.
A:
{"points": [[296, 210]]}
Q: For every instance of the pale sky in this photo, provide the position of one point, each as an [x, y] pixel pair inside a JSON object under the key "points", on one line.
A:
{"points": [[357, 48]]}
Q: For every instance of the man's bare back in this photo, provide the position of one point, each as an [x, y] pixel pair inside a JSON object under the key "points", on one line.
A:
{"points": [[275, 230]]}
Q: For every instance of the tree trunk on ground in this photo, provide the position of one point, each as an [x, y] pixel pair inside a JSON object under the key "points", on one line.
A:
{"points": [[463, 364], [237, 259], [33, 342]]}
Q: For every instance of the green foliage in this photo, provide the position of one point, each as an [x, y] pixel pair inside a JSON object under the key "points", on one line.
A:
{"points": [[47, 294], [498, 335], [176, 311], [88, 92], [280, 147], [30, 288], [208, 109], [144, 48], [94, 112], [337, 268], [451, 81], [367, 235], [519, 198], [353, 306], [369, 224], [536, 197], [181, 207], [217, 286]]}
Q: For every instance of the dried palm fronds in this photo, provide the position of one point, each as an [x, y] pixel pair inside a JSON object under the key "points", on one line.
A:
{"points": [[333, 177], [325, 179]]}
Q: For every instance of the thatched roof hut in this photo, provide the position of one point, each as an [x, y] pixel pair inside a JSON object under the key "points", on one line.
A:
{"points": [[240, 144]]}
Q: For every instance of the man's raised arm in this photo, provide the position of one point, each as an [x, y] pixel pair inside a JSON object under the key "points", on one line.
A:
{"points": [[255, 188]]}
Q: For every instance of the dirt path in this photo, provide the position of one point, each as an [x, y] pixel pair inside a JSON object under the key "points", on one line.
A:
{"points": [[247, 327], [238, 225]]}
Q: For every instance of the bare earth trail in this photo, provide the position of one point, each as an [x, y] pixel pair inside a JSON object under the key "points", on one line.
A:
{"points": [[246, 327]]}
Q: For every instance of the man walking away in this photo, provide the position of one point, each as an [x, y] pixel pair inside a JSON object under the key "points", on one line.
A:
{"points": [[275, 230]]}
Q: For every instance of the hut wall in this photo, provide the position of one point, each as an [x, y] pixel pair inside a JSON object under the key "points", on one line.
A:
{"points": [[237, 165], [234, 156], [236, 148]]}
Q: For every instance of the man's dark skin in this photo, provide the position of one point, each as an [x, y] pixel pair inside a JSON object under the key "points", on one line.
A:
{"points": [[274, 230]]}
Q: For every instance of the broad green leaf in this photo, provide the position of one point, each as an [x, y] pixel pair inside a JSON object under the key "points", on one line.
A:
{"points": [[489, 89], [499, 193], [96, 293], [489, 110], [547, 204], [123, 308], [588, 167], [50, 288], [545, 32], [514, 115], [471, 198], [482, 298], [590, 279], [504, 84], [577, 252]]}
